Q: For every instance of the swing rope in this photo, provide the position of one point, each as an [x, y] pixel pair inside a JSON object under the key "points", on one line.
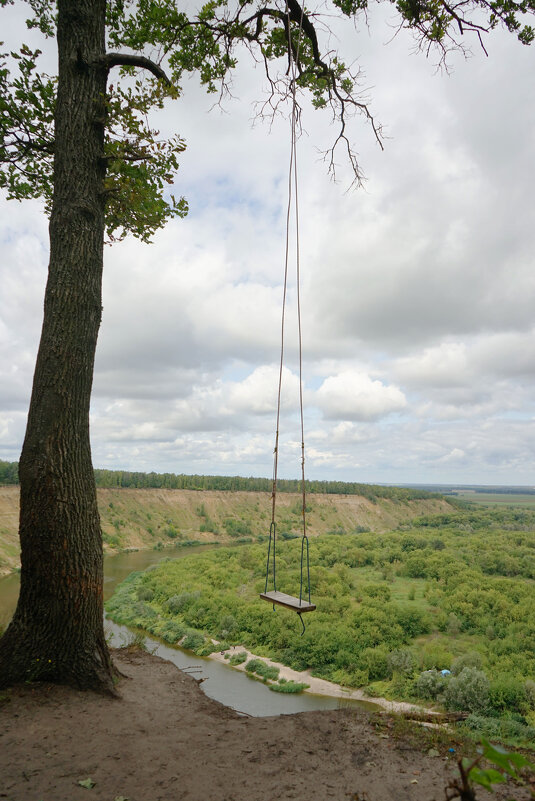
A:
{"points": [[293, 201]]}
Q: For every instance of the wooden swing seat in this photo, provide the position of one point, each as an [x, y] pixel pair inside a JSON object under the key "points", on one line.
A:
{"points": [[296, 604]]}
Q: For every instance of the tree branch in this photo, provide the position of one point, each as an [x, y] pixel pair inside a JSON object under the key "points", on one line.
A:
{"points": [[131, 60]]}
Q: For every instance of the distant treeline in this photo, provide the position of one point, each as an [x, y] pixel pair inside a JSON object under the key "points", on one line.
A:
{"points": [[134, 480], [9, 472], [123, 478]]}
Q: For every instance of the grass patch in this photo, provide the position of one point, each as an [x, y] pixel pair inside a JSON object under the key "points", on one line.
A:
{"points": [[289, 686], [262, 669]]}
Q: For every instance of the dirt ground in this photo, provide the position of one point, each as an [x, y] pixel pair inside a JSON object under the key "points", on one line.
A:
{"points": [[164, 740]]}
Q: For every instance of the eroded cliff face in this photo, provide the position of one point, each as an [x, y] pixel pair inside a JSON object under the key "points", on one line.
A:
{"points": [[143, 518]]}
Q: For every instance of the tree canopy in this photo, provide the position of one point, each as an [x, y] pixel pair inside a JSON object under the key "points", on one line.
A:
{"points": [[166, 43]]}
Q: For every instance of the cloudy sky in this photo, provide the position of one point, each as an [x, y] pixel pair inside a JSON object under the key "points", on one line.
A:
{"points": [[418, 291]]}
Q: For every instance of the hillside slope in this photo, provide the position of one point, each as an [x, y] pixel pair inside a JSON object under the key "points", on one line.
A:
{"points": [[148, 518]]}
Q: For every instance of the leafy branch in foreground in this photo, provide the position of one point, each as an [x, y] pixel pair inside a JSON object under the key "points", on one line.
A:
{"points": [[503, 765]]}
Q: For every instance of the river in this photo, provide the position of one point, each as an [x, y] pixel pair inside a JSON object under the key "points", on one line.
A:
{"points": [[221, 682]]}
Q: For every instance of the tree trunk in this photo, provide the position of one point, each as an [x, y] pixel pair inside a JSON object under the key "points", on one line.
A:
{"points": [[57, 631]]}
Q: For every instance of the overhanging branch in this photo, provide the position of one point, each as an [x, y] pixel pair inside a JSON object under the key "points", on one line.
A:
{"points": [[131, 60]]}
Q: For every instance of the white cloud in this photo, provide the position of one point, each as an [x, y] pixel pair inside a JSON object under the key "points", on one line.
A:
{"points": [[418, 292], [444, 366], [355, 396], [257, 394]]}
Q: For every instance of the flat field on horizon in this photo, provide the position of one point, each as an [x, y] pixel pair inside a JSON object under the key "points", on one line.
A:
{"points": [[497, 498]]}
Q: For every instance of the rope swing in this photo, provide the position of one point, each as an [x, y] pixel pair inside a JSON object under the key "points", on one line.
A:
{"points": [[300, 604]]}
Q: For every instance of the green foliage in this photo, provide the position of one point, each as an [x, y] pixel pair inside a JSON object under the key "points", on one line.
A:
{"points": [[238, 659], [139, 164], [262, 669], [9, 471], [471, 659], [236, 528], [401, 661], [376, 591], [503, 729], [361, 632], [209, 525], [179, 602], [284, 686], [529, 689], [228, 627], [469, 691], [113, 540], [172, 631], [508, 694], [136, 641], [193, 641], [502, 766], [434, 654], [375, 662], [27, 103], [430, 684], [413, 621]]}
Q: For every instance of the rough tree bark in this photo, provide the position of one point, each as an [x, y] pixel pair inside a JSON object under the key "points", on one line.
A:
{"points": [[57, 631]]}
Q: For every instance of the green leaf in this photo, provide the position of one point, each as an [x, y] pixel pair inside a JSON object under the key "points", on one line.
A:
{"points": [[486, 778], [87, 783]]}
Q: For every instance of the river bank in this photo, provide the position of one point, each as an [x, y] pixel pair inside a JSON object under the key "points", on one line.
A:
{"points": [[318, 686]]}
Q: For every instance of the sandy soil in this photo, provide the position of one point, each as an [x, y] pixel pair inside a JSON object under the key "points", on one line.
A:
{"points": [[164, 740]]}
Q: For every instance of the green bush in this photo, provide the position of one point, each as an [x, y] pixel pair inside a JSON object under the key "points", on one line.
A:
{"points": [[435, 655], [207, 648], [193, 640], [375, 661], [136, 641], [401, 661], [209, 526], [413, 621], [500, 729], [145, 594], [284, 686], [262, 669], [173, 631], [227, 627], [453, 625], [508, 694], [376, 591], [529, 689], [111, 539], [469, 691], [430, 684], [177, 603], [143, 612], [236, 528], [238, 659], [288, 535], [471, 659]]}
